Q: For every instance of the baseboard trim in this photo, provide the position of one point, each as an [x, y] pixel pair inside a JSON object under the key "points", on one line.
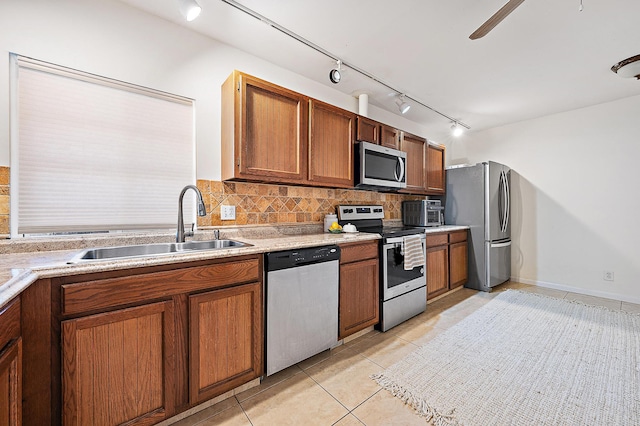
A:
{"points": [[563, 287]]}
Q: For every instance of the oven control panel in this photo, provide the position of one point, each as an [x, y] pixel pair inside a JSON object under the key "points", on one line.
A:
{"points": [[357, 212]]}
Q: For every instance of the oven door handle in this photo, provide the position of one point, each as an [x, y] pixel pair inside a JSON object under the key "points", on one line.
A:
{"points": [[397, 240]]}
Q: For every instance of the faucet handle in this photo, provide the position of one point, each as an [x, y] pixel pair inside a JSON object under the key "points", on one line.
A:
{"points": [[191, 232]]}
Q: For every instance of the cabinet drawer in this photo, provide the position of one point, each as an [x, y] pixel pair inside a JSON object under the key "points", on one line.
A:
{"points": [[100, 294], [457, 236], [9, 323], [358, 251], [437, 240]]}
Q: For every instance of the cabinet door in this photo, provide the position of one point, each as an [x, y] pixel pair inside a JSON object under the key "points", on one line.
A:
{"points": [[458, 261], [331, 145], [359, 301], [226, 335], [11, 364], [11, 384], [415, 147], [437, 271], [367, 130], [118, 366], [435, 169], [389, 137], [264, 131]]}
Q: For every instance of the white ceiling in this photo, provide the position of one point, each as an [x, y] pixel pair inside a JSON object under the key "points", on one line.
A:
{"points": [[545, 57]]}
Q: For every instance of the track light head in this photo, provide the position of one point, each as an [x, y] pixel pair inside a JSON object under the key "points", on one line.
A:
{"points": [[402, 105], [336, 74], [456, 129], [190, 9]]}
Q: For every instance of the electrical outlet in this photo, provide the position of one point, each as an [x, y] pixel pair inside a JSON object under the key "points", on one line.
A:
{"points": [[608, 276], [227, 212]]}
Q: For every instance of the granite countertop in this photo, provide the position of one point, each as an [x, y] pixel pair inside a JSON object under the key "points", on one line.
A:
{"points": [[24, 261], [19, 270]]}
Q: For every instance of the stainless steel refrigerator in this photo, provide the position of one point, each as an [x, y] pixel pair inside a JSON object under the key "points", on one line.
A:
{"points": [[479, 196]]}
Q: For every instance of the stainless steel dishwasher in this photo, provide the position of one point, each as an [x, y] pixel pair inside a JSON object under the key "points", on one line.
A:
{"points": [[301, 304]]}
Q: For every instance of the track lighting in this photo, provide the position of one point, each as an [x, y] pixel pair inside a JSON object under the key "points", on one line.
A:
{"points": [[190, 9], [402, 105], [336, 74], [456, 130]]}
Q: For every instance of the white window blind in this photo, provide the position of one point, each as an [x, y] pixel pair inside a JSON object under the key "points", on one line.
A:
{"points": [[96, 154]]}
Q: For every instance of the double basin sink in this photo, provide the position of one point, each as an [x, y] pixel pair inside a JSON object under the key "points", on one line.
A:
{"points": [[145, 250]]}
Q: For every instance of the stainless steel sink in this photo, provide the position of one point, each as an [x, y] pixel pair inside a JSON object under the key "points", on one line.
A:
{"points": [[145, 250]]}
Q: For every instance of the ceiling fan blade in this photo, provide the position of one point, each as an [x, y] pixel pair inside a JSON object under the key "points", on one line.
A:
{"points": [[497, 17]]}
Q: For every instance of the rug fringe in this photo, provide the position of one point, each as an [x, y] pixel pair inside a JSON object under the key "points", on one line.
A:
{"points": [[418, 404]]}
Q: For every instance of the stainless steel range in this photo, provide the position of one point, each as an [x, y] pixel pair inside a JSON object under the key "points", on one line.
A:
{"points": [[403, 292]]}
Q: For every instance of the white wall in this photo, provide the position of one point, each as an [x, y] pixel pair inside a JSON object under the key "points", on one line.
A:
{"points": [[114, 40], [576, 200]]}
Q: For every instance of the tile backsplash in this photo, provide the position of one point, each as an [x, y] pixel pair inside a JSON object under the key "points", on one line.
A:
{"points": [[258, 203], [4, 202]]}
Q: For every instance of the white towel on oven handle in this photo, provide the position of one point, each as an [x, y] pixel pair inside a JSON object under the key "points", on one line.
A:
{"points": [[413, 254]]}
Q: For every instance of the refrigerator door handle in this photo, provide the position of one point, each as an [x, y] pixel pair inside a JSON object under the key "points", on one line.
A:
{"points": [[500, 203], [505, 194], [498, 245], [508, 208]]}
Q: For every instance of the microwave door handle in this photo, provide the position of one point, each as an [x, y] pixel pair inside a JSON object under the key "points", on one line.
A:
{"points": [[399, 176]]}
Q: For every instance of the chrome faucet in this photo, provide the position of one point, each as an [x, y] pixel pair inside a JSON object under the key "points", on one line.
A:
{"points": [[202, 211]]}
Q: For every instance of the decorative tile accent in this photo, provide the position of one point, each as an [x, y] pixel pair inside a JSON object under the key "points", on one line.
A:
{"points": [[259, 203], [4, 202]]}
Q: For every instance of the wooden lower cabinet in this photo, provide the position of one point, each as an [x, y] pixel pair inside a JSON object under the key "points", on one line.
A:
{"points": [[437, 270], [225, 337], [10, 365], [138, 346], [11, 384], [458, 264], [118, 366], [359, 288], [447, 261]]}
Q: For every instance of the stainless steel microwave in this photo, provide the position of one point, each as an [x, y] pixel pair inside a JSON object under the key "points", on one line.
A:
{"points": [[379, 167]]}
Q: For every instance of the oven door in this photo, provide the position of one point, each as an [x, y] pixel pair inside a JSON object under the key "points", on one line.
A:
{"points": [[395, 280]]}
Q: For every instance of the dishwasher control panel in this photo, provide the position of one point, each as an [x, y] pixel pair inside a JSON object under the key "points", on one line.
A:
{"points": [[305, 256]]}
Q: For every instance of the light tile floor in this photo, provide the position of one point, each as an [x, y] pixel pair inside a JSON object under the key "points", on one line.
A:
{"points": [[334, 388]]}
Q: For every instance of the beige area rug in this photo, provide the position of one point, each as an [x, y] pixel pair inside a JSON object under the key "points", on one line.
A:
{"points": [[526, 359]]}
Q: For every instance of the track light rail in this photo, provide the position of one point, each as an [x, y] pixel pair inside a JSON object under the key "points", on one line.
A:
{"points": [[330, 55]]}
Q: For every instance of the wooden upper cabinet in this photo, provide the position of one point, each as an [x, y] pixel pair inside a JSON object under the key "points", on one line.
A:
{"points": [[367, 130], [264, 131], [389, 137], [416, 149], [331, 138], [119, 367], [435, 169]]}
